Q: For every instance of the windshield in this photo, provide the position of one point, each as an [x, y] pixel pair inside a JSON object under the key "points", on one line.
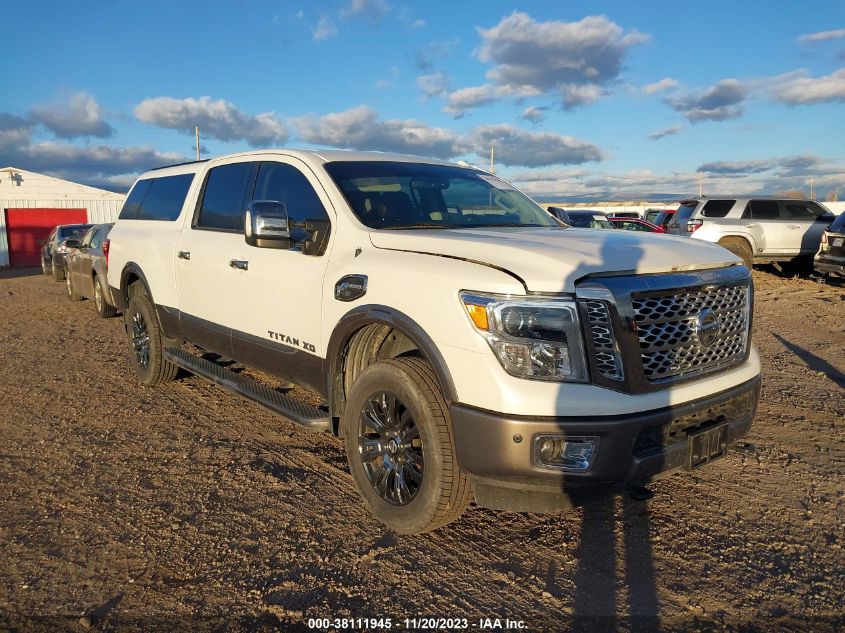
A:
{"points": [[587, 220], [73, 231], [393, 195]]}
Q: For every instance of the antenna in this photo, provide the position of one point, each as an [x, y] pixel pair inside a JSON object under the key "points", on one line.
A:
{"points": [[197, 132]]}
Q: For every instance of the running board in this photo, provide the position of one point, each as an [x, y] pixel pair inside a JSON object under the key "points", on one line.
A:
{"points": [[300, 412]]}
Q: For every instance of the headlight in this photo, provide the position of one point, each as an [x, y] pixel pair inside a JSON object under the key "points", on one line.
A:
{"points": [[532, 338]]}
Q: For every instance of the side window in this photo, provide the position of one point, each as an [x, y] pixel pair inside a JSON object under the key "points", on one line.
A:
{"points": [[717, 208], [225, 196], [286, 184], [96, 237], [165, 197], [799, 211], [133, 200], [86, 240], [761, 210]]}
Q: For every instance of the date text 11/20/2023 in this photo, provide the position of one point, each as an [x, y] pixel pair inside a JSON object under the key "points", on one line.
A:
{"points": [[412, 624]]}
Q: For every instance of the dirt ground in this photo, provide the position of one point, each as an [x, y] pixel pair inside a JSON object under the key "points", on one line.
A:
{"points": [[185, 508]]}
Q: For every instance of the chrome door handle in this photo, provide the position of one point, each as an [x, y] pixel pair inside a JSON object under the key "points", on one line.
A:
{"points": [[240, 264], [794, 226], [183, 255], [751, 226]]}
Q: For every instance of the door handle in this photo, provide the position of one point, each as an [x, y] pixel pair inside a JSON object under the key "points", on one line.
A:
{"points": [[751, 226], [240, 264], [794, 226], [183, 255]]}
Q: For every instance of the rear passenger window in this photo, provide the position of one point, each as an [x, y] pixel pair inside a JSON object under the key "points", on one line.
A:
{"points": [[761, 210], [286, 184], [225, 197], [798, 211], [133, 200], [165, 197], [717, 208]]}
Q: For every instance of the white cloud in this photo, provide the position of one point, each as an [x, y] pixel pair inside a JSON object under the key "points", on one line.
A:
{"points": [[325, 29], [546, 54], [660, 86], [719, 102], [576, 95], [372, 10], [465, 99], [531, 149], [737, 166], [433, 85], [803, 90], [216, 119], [822, 36], [533, 114], [80, 116], [667, 131], [361, 128]]}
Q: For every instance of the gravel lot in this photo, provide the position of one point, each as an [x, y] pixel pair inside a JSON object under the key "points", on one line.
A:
{"points": [[185, 508]]}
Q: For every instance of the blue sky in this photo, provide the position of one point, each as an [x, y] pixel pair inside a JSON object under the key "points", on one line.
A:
{"points": [[580, 100]]}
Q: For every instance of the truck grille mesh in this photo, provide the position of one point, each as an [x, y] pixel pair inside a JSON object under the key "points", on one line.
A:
{"points": [[668, 330], [608, 362]]}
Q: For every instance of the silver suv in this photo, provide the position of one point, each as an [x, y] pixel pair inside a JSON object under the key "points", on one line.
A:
{"points": [[758, 229]]}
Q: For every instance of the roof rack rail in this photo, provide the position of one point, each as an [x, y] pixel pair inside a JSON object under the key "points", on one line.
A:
{"points": [[187, 162]]}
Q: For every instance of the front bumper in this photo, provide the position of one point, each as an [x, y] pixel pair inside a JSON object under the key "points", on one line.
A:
{"points": [[498, 450]]}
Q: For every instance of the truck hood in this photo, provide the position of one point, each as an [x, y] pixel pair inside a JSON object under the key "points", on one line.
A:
{"points": [[554, 259]]}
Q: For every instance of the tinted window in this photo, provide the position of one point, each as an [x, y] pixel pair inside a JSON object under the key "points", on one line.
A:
{"points": [[88, 238], [224, 199], [684, 212], [717, 208], [76, 232], [805, 211], [133, 200], [394, 195], [165, 197], [838, 225], [286, 184], [761, 210], [588, 220], [98, 235], [663, 217]]}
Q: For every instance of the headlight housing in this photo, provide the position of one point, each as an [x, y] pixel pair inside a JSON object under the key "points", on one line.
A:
{"points": [[537, 338]]}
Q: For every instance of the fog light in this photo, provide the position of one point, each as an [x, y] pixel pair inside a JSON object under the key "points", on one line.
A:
{"points": [[567, 453]]}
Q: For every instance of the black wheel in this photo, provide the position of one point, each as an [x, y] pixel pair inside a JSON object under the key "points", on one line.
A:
{"points": [[146, 342], [740, 248], [399, 445], [71, 291], [58, 271], [104, 309]]}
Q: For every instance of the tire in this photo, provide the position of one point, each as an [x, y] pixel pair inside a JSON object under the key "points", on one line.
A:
{"points": [[104, 309], [740, 248], [71, 291], [418, 442], [146, 341], [58, 273]]}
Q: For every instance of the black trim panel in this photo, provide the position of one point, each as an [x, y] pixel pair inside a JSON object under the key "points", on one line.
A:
{"points": [[206, 334], [282, 361]]}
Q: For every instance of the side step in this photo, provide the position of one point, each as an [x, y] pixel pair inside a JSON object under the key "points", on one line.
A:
{"points": [[300, 412]]}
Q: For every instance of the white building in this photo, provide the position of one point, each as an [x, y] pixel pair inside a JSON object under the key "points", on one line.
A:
{"points": [[32, 204]]}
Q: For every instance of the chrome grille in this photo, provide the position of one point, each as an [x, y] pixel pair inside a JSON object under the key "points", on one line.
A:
{"points": [[608, 362], [668, 330]]}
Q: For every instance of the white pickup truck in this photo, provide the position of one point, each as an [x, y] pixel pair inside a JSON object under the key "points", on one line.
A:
{"points": [[466, 343]]}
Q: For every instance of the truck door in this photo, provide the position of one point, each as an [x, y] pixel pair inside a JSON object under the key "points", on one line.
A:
{"points": [[277, 293], [203, 256], [805, 223]]}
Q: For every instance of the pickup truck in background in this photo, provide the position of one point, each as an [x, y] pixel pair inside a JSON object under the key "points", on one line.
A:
{"points": [[465, 343]]}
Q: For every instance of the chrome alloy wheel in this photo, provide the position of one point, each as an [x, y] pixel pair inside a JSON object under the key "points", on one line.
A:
{"points": [[140, 340], [391, 449]]}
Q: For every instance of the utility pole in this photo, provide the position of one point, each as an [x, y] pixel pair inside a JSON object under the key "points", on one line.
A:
{"points": [[812, 193], [197, 133], [492, 156], [700, 184]]}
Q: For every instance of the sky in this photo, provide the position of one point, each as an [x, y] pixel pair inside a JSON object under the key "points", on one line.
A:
{"points": [[580, 100]]}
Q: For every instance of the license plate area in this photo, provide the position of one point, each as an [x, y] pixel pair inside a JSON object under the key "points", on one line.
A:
{"points": [[707, 444], [837, 241]]}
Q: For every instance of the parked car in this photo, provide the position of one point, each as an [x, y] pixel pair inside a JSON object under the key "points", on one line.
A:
{"points": [[634, 224], [757, 229], [581, 218], [464, 342], [86, 269], [651, 214], [663, 218], [54, 250], [830, 260]]}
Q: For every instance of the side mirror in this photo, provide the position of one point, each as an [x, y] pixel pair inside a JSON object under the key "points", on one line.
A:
{"points": [[71, 243], [266, 224]]}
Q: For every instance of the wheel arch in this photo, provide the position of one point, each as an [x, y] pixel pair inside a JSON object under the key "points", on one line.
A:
{"points": [[356, 320], [129, 275], [752, 245]]}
